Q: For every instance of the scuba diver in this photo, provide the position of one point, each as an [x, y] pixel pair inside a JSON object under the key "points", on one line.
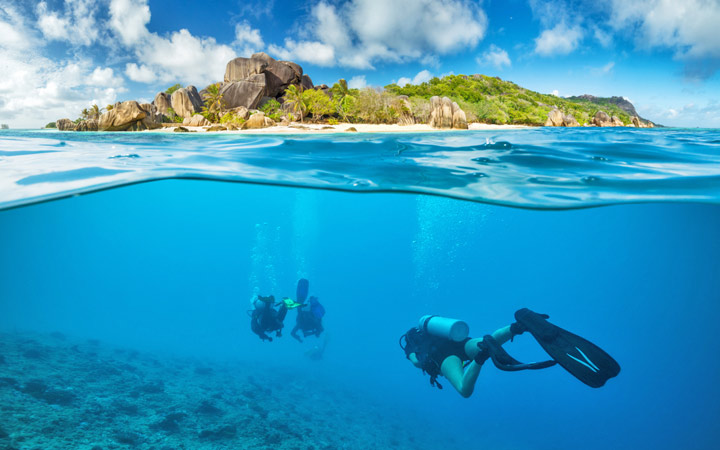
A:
{"points": [[310, 314], [309, 319], [264, 318], [441, 346]]}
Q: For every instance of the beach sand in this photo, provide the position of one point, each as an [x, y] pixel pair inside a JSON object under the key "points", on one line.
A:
{"points": [[302, 128]]}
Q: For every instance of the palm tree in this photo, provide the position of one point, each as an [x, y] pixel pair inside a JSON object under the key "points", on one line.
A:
{"points": [[341, 97], [293, 96], [94, 112], [214, 102]]}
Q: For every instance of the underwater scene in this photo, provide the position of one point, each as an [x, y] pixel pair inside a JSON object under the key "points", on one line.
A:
{"points": [[129, 303]]}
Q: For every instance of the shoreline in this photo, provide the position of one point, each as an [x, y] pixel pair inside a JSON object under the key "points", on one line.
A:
{"points": [[312, 128]]}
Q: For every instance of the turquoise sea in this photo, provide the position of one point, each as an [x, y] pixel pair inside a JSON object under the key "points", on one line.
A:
{"points": [[123, 312]]}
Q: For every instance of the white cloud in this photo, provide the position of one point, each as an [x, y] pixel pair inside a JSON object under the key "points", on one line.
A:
{"points": [[247, 39], [128, 18], [606, 69], [178, 57], [688, 27], [422, 77], [76, 23], [141, 74], [559, 40], [315, 52], [359, 33], [495, 56], [357, 82], [104, 77], [603, 37], [556, 93]]}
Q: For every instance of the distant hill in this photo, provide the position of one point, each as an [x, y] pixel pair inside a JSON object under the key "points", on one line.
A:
{"points": [[493, 100]]}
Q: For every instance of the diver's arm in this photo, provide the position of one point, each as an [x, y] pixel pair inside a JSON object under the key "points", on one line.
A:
{"points": [[413, 359]]}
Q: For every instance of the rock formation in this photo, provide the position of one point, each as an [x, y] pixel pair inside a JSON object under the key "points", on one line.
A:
{"points": [[65, 125], [247, 92], [447, 114], [196, 121], [601, 119], [404, 109], [257, 120], [186, 102], [162, 103], [130, 116], [557, 119], [87, 125]]}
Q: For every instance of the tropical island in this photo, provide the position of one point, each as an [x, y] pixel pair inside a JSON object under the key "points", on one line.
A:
{"points": [[261, 92]]}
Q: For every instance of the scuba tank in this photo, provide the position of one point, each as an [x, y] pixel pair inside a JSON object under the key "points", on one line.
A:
{"points": [[453, 329]]}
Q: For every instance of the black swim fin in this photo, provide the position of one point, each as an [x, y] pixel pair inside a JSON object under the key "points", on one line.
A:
{"points": [[301, 293], [489, 348], [584, 360]]}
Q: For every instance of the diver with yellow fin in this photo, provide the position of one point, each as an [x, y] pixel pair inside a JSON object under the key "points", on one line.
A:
{"points": [[264, 318], [441, 346], [310, 313]]}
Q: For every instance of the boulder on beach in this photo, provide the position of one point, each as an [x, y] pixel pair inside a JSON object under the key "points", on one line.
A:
{"points": [[87, 125], [601, 119], [186, 102], [65, 125], [404, 109], [246, 93], [306, 82], [446, 114], [242, 68], [278, 75], [196, 121], [162, 103], [554, 119], [130, 116], [258, 120], [616, 122], [557, 119]]}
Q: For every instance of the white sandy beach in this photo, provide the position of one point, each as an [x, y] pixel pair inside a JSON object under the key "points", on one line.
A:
{"points": [[301, 128]]}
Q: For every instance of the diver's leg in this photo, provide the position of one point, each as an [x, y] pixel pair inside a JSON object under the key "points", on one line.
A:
{"points": [[501, 336], [294, 334], [462, 381]]}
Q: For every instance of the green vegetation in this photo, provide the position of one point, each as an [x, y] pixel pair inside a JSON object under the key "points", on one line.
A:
{"points": [[173, 88], [230, 117], [272, 109], [51, 125], [317, 103], [172, 116], [293, 97], [214, 104], [492, 100]]}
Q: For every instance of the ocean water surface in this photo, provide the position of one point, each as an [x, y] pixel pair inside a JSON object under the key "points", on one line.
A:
{"points": [[123, 313]]}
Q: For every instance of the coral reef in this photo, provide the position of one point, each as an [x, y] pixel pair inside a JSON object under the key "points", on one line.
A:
{"points": [[58, 391]]}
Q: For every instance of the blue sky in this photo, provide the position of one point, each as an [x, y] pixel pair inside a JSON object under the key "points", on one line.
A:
{"points": [[59, 56]]}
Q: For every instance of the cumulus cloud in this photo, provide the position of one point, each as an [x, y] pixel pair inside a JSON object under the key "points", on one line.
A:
{"points": [[604, 70], [315, 52], [494, 56], [559, 40], [422, 77], [180, 56], [141, 73], [129, 19], [360, 33], [76, 23], [689, 28], [247, 39], [357, 82]]}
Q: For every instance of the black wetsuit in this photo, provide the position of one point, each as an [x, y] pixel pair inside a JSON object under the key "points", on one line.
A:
{"points": [[267, 319], [308, 323]]}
